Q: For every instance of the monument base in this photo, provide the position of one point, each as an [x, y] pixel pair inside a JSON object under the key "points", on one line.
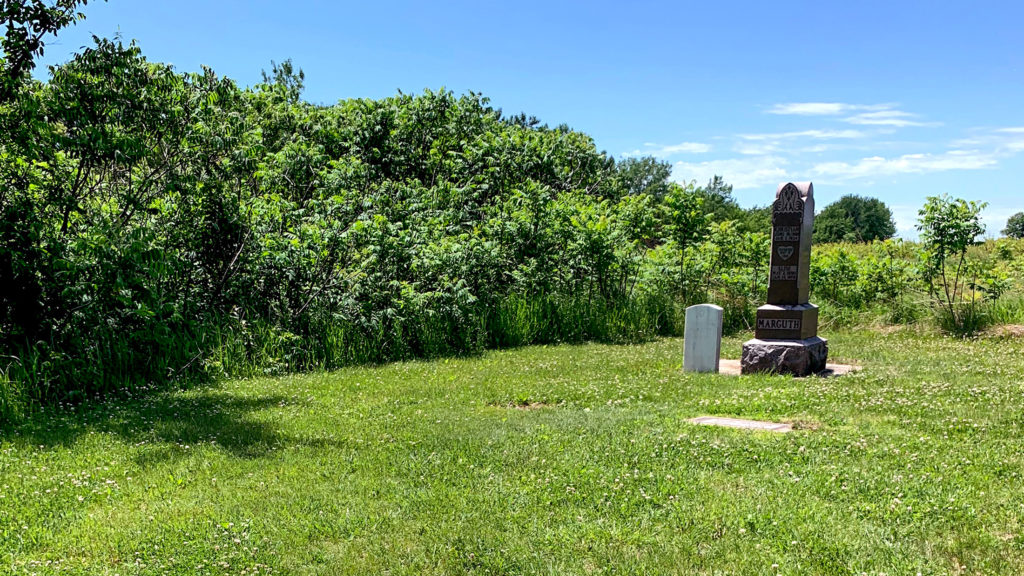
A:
{"points": [[796, 357], [786, 322]]}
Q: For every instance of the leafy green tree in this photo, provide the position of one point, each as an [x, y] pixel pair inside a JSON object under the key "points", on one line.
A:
{"points": [[684, 223], [28, 22], [718, 202], [1015, 226], [854, 219], [757, 219], [720, 206], [645, 175], [683, 217], [948, 228]]}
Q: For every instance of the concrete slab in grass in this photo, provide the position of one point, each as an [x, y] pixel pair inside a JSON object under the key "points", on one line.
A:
{"points": [[745, 424]]}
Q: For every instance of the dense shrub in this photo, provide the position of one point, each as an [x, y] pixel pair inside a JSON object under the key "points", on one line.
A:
{"points": [[155, 225], [859, 275]]}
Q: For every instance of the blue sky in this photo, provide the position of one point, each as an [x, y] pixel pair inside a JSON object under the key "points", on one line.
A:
{"points": [[896, 100]]}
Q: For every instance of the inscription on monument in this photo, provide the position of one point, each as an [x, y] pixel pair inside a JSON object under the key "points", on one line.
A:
{"points": [[786, 234], [783, 272], [778, 324], [792, 217]]}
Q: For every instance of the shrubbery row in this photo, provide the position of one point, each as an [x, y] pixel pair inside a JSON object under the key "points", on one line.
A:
{"points": [[156, 225]]}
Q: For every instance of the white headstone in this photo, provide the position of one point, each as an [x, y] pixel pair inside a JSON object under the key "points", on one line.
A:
{"points": [[702, 342]]}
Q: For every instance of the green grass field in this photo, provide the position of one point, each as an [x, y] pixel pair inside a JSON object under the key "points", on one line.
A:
{"points": [[549, 460]]}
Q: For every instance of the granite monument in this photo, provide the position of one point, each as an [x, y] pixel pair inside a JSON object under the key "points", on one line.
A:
{"points": [[786, 333]]}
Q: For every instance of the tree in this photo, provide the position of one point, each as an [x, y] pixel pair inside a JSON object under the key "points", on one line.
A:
{"points": [[1015, 226], [720, 206], [684, 221], [757, 219], [949, 226], [285, 78], [28, 22], [854, 219], [646, 175]]}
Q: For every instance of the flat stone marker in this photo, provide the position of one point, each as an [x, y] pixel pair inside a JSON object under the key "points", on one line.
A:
{"points": [[745, 424], [702, 339]]}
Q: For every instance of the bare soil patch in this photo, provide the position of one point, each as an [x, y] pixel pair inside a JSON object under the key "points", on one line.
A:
{"points": [[1005, 331]]}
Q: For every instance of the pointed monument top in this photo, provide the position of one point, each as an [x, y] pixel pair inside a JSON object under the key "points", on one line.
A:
{"points": [[804, 188]]}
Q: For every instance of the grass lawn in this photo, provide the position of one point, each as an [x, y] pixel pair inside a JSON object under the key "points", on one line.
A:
{"points": [[550, 460]]}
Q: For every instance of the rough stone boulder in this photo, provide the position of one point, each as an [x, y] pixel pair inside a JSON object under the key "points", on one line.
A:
{"points": [[796, 357]]}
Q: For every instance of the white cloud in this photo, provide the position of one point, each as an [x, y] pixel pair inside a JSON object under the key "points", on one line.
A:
{"points": [[968, 142], [895, 118], [661, 151], [840, 153], [1009, 140], [817, 134], [779, 142], [822, 108], [758, 149], [816, 149], [749, 172], [994, 219], [906, 219], [1012, 138], [907, 164], [862, 114], [684, 148]]}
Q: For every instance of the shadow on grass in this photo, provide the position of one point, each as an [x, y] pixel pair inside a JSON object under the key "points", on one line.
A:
{"points": [[167, 420]]}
